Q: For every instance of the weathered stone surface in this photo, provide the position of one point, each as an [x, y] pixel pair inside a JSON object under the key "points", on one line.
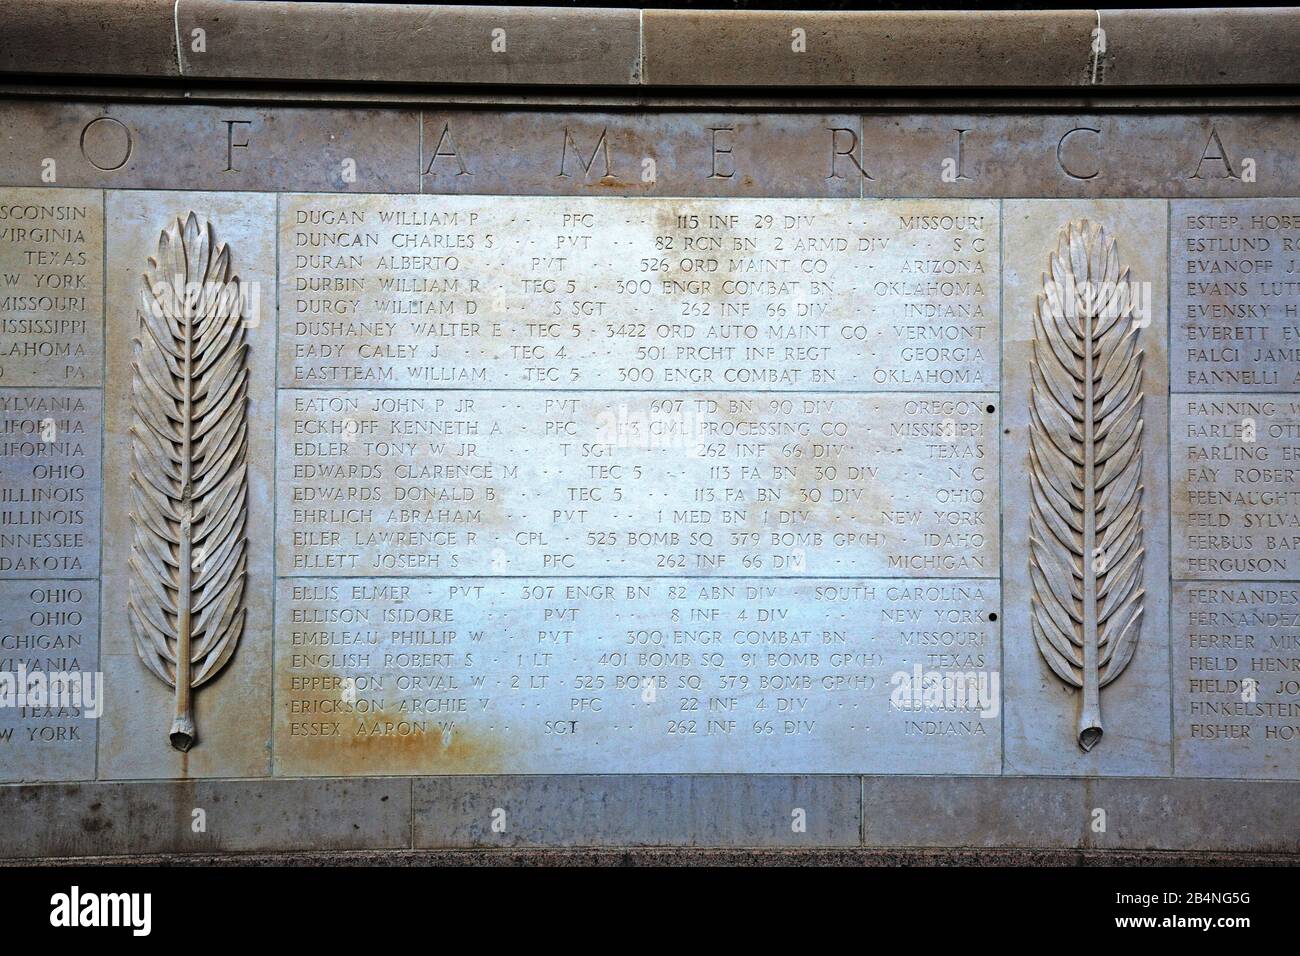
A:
{"points": [[529, 47], [49, 463], [1224, 46], [233, 711], [1049, 155], [1063, 155], [1054, 155], [921, 811], [1042, 711], [400, 43], [1236, 486], [1035, 813], [635, 675], [652, 437], [90, 819], [641, 154], [1236, 691], [51, 287], [231, 147], [758, 811], [616, 293], [896, 49], [1171, 814], [1139, 813], [103, 38], [1235, 325], [705, 483], [49, 629]]}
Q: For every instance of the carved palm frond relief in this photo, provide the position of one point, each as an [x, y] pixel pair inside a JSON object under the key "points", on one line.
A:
{"points": [[1085, 475], [189, 441]]}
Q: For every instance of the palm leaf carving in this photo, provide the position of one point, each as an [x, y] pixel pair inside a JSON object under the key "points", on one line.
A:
{"points": [[189, 442], [1085, 474]]}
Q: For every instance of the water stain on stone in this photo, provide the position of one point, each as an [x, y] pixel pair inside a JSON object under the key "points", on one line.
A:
{"points": [[388, 740]]}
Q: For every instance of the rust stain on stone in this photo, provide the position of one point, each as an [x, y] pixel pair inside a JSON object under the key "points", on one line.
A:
{"points": [[388, 740]]}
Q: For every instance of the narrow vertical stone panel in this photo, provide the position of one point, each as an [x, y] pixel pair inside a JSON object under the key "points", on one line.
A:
{"points": [[51, 287], [1235, 496], [50, 465], [232, 710], [49, 648], [1043, 711], [51, 416]]}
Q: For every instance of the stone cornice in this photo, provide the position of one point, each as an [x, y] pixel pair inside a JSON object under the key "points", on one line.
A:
{"points": [[454, 47]]}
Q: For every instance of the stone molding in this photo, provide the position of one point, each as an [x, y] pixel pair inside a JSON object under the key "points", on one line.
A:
{"points": [[605, 48]]}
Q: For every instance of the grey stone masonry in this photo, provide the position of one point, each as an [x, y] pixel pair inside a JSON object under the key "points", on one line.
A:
{"points": [[612, 48], [767, 811]]}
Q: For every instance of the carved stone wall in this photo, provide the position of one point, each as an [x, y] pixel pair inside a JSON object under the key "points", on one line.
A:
{"points": [[653, 474]]}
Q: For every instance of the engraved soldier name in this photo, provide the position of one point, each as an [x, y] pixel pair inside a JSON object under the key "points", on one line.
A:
{"points": [[1235, 296], [1236, 486], [636, 674], [1237, 678], [447, 292], [531, 482]]}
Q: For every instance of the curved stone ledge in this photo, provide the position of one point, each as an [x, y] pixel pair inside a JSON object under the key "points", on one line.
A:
{"points": [[390, 43], [534, 47], [101, 38]]}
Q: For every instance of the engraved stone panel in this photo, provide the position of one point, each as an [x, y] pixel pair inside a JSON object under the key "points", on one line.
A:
{"points": [[144, 597], [1236, 655], [49, 633], [734, 463], [458, 292], [51, 287], [1086, 567], [1235, 295], [692, 483], [1236, 486], [622, 675], [658, 485], [49, 500]]}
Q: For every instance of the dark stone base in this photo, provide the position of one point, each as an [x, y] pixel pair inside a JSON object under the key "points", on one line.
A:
{"points": [[655, 856], [737, 818]]}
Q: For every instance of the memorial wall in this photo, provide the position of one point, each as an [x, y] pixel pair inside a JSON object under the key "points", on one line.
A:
{"points": [[399, 441]]}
